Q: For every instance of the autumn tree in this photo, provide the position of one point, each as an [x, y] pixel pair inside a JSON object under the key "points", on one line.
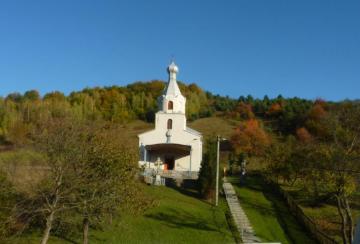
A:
{"points": [[275, 109], [58, 143], [303, 135], [250, 138], [242, 111], [89, 171], [286, 159], [342, 158], [105, 177], [325, 156], [336, 170], [317, 120]]}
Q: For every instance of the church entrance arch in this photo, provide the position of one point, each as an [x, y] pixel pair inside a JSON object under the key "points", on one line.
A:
{"points": [[169, 153], [169, 163]]}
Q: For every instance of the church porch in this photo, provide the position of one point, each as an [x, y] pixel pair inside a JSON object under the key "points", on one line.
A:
{"points": [[170, 160]]}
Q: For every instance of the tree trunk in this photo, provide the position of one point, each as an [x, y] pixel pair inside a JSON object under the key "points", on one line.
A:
{"points": [[110, 218], [343, 221], [85, 230], [292, 182], [28, 113], [316, 189], [50, 218], [46, 234], [350, 219]]}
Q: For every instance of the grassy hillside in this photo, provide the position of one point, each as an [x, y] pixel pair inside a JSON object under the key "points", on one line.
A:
{"points": [[129, 132], [177, 218], [207, 126], [214, 126], [271, 219], [23, 166]]}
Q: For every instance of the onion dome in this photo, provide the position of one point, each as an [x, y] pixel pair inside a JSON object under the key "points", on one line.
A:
{"points": [[172, 68]]}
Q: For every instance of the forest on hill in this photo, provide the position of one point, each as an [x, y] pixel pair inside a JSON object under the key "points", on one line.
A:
{"points": [[311, 147], [20, 114]]}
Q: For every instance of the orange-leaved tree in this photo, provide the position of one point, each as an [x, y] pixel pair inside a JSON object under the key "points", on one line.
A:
{"points": [[250, 138], [303, 135]]}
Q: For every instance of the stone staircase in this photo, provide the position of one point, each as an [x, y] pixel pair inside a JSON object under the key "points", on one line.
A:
{"points": [[242, 222]]}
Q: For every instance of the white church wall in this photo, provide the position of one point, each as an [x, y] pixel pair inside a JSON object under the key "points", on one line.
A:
{"points": [[178, 121], [178, 133], [182, 163], [178, 104]]}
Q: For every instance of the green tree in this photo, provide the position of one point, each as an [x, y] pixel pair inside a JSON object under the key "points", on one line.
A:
{"points": [[32, 95], [105, 177], [328, 162], [89, 171], [207, 174]]}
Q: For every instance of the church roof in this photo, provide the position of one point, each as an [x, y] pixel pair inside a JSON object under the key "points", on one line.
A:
{"points": [[168, 147], [172, 87], [192, 131]]}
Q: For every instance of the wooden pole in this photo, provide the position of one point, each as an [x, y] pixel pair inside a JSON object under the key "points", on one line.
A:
{"points": [[217, 171]]}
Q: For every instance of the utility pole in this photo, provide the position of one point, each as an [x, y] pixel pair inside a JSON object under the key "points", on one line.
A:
{"points": [[217, 170]]}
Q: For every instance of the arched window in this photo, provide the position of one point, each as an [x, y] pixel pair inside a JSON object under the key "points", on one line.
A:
{"points": [[170, 105], [169, 124]]}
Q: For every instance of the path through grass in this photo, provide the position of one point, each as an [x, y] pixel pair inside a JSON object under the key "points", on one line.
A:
{"points": [[267, 213]]}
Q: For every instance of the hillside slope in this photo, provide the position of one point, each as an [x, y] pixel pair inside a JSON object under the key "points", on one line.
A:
{"points": [[177, 218], [207, 126], [214, 126]]}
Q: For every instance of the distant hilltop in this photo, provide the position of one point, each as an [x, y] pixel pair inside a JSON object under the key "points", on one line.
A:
{"points": [[20, 112]]}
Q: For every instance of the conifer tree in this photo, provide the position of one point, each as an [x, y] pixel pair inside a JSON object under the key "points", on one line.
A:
{"points": [[207, 172]]}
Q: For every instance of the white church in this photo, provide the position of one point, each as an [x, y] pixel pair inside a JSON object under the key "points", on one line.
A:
{"points": [[171, 147]]}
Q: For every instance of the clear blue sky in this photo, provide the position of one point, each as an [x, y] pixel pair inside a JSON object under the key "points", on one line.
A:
{"points": [[295, 48]]}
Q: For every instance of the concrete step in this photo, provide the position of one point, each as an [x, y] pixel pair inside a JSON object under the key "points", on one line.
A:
{"points": [[239, 216]]}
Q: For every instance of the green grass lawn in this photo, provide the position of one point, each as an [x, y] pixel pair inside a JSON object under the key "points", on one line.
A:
{"points": [[267, 213], [177, 218]]}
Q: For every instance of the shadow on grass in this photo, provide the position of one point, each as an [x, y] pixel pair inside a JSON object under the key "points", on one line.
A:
{"points": [[249, 182], [181, 219], [68, 239], [188, 187], [304, 198], [295, 232]]}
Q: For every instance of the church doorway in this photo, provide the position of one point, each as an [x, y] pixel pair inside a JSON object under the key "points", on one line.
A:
{"points": [[169, 163]]}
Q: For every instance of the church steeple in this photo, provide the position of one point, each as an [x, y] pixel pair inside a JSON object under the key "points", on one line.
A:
{"points": [[172, 86], [172, 101]]}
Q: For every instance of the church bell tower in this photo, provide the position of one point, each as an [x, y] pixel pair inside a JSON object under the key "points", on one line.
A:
{"points": [[172, 101]]}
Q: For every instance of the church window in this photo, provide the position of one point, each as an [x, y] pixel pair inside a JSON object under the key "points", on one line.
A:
{"points": [[170, 105], [169, 124]]}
